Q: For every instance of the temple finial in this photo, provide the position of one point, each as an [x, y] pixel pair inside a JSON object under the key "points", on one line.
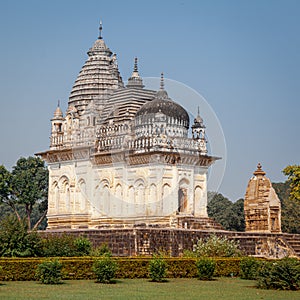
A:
{"points": [[162, 84], [58, 103], [259, 171], [135, 68], [198, 111], [100, 31]]}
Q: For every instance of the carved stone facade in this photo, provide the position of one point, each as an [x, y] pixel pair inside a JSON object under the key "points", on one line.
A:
{"points": [[262, 206], [121, 155]]}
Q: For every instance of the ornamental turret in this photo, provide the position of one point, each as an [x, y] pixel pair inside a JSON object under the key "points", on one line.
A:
{"points": [[57, 128], [135, 81], [198, 133]]}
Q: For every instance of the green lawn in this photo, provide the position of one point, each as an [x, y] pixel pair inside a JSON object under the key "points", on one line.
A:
{"points": [[220, 289]]}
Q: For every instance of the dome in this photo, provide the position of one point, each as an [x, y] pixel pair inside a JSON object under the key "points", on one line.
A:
{"points": [[166, 107]]}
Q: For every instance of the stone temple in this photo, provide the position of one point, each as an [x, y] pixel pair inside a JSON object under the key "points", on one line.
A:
{"points": [[122, 156], [262, 206]]}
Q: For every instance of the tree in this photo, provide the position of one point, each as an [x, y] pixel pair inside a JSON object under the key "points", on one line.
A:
{"points": [[26, 186], [290, 208], [293, 173], [230, 215], [6, 190]]}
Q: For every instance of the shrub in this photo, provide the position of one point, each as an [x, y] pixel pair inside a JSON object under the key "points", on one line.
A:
{"points": [[206, 268], [280, 275], [49, 272], [105, 269], [83, 246], [215, 246], [157, 268], [249, 267], [100, 251], [65, 245], [16, 240]]}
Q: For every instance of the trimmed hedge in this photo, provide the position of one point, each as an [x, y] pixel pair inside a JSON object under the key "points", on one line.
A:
{"points": [[20, 269]]}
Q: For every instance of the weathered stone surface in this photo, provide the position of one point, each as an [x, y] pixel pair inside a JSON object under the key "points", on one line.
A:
{"points": [[262, 206], [146, 241]]}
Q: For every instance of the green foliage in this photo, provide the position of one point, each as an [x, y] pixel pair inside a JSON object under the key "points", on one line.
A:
{"points": [[49, 272], [230, 215], [105, 269], [206, 268], [290, 208], [157, 268], [249, 267], [82, 267], [100, 251], [26, 187], [16, 240], [280, 275], [83, 246], [293, 173], [65, 245], [215, 246]]}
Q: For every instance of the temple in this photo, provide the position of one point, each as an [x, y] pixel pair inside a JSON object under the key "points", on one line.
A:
{"points": [[262, 206], [122, 156]]}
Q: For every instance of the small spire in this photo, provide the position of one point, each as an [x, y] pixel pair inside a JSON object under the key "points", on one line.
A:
{"points": [[162, 93], [58, 113], [135, 68], [162, 84], [198, 111], [100, 31], [259, 171]]}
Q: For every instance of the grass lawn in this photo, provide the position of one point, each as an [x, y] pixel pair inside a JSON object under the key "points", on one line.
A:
{"points": [[220, 289]]}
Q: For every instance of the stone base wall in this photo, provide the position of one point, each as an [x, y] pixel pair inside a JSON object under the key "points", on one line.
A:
{"points": [[145, 241]]}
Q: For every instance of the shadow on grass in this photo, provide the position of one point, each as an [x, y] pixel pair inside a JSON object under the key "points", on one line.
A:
{"points": [[159, 281]]}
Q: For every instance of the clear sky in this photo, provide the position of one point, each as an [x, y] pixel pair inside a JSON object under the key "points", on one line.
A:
{"points": [[243, 57]]}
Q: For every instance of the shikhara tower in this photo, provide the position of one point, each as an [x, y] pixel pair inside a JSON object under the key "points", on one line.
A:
{"points": [[121, 155]]}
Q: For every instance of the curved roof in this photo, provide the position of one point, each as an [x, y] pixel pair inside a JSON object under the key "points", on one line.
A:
{"points": [[166, 106]]}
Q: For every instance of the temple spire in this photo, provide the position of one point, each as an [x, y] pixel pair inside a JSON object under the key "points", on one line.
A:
{"points": [[162, 93], [259, 171], [162, 83], [100, 31], [135, 81], [135, 68]]}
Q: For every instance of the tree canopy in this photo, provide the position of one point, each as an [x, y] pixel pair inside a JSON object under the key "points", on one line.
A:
{"points": [[230, 215], [25, 187], [293, 173]]}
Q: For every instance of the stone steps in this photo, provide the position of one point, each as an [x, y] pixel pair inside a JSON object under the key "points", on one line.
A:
{"points": [[294, 243]]}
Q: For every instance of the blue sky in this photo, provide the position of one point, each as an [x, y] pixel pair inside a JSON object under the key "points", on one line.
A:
{"points": [[243, 57]]}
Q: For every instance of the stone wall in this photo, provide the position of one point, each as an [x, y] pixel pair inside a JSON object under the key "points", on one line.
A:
{"points": [[145, 241]]}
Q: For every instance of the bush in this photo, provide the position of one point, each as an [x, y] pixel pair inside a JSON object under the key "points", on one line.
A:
{"points": [[49, 272], [157, 268], [65, 245], [206, 268], [16, 240], [100, 251], [249, 267], [215, 246], [83, 246], [105, 269], [280, 275]]}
